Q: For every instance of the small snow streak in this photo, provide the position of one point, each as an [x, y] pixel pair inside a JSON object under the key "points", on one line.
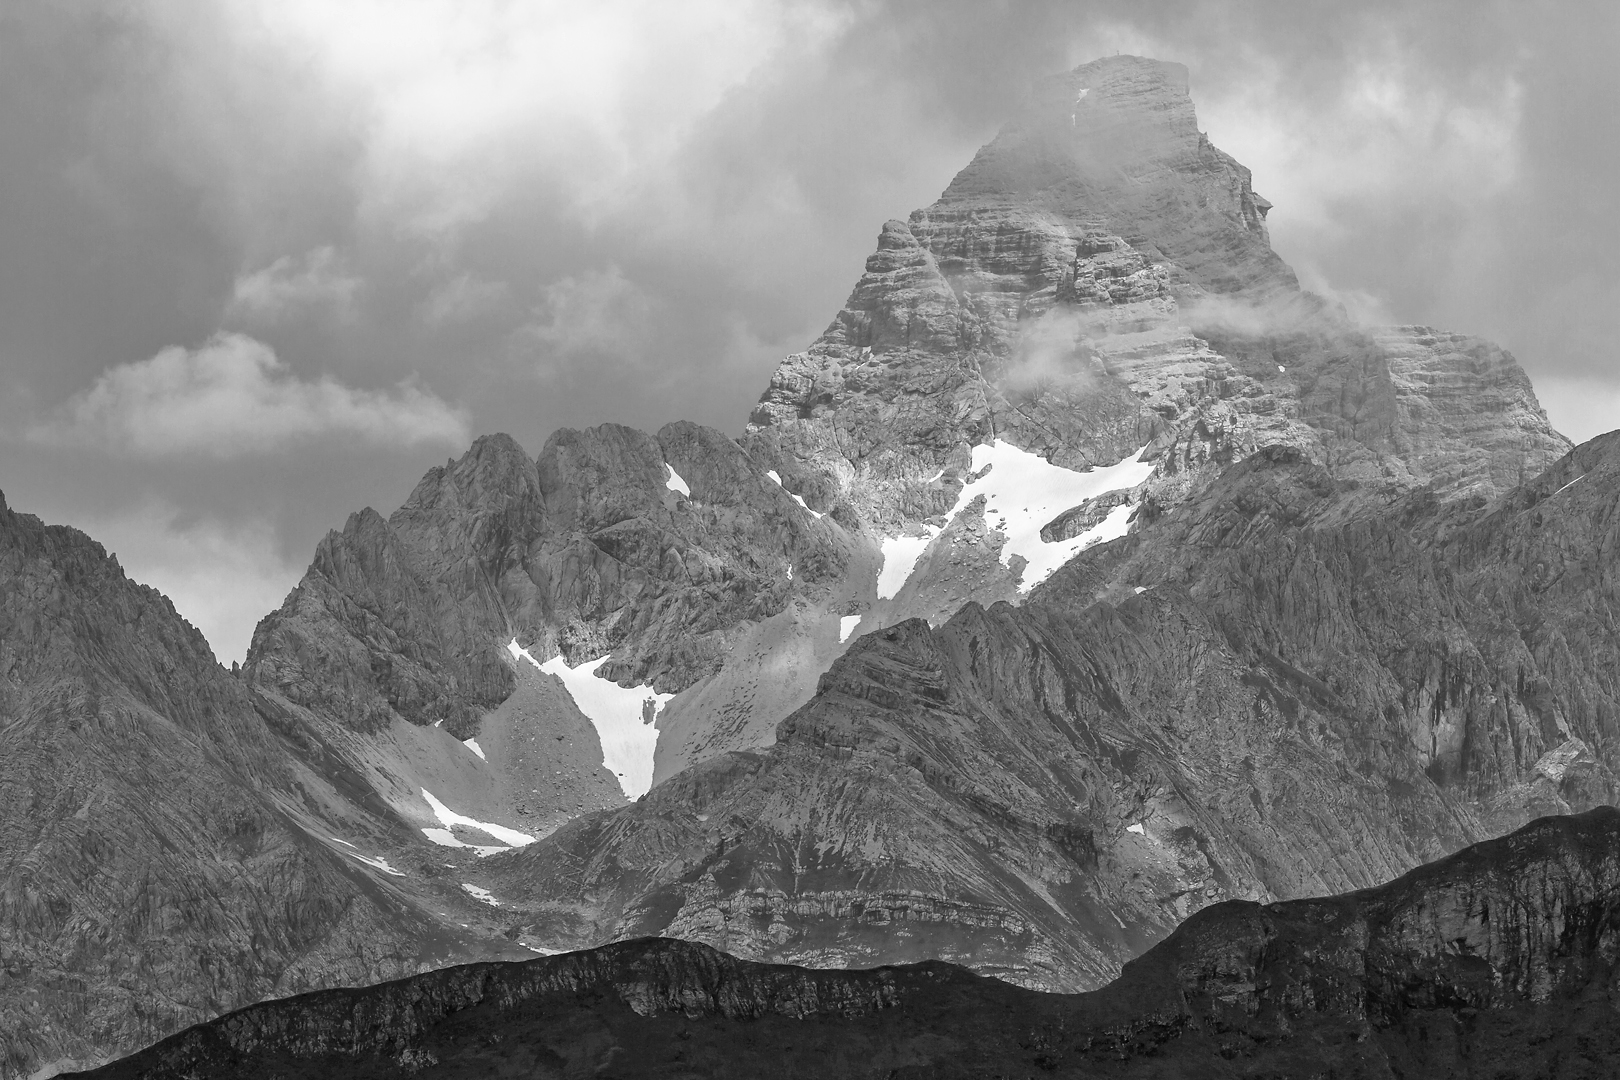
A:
{"points": [[478, 892], [376, 864], [448, 818]]}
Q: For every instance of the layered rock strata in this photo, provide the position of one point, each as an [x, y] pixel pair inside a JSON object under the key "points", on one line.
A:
{"points": [[1499, 961]]}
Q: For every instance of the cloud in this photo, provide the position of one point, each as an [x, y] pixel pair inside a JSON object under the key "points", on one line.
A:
{"points": [[222, 576], [312, 282], [462, 299], [232, 397], [597, 314]]}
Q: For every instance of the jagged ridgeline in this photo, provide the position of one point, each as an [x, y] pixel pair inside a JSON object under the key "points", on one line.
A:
{"points": [[1496, 962], [1085, 572]]}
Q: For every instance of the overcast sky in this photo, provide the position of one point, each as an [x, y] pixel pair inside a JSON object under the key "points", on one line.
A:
{"points": [[263, 262]]}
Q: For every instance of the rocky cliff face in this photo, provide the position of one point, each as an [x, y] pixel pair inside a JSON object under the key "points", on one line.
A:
{"points": [[154, 870], [1499, 961], [1098, 279], [1279, 689]]}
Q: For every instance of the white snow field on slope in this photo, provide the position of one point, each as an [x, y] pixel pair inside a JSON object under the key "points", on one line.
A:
{"points": [[846, 626], [615, 711], [900, 555], [472, 744], [1024, 492], [448, 818], [674, 481]]}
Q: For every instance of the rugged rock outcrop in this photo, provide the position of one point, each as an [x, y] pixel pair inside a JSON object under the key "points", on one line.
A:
{"points": [[1500, 961], [155, 867], [1098, 279], [1287, 685]]}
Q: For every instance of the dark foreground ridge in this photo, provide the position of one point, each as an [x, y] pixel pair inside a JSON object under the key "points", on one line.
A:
{"points": [[1499, 961]]}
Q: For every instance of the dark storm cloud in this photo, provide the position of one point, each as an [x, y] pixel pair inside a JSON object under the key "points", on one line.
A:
{"points": [[412, 220]]}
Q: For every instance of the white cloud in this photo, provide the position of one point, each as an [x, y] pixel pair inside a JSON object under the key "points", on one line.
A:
{"points": [[233, 397], [462, 100], [222, 578], [597, 313], [314, 280], [462, 299]]}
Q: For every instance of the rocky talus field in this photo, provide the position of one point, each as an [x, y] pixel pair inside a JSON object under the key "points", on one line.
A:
{"points": [[1087, 593]]}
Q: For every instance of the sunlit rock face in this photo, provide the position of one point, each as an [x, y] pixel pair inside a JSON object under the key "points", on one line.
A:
{"points": [[1503, 955], [1098, 279]]}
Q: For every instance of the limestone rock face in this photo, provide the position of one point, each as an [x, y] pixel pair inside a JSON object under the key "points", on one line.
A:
{"points": [[1098, 279], [1499, 961], [155, 866], [1287, 685]]}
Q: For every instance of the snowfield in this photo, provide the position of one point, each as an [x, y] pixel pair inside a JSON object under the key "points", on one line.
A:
{"points": [[900, 555], [1023, 493], [615, 711], [846, 626], [448, 818], [674, 482]]}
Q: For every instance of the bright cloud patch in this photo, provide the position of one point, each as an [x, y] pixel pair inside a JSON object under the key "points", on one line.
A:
{"points": [[449, 818], [617, 712], [234, 397], [314, 280], [1024, 491]]}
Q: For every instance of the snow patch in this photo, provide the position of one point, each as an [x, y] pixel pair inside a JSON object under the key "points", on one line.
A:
{"points": [[1571, 484], [900, 555], [1137, 829], [1281, 368], [846, 627], [472, 744], [628, 740], [774, 475], [345, 843], [478, 892], [1140, 589], [448, 818], [1025, 492], [376, 864], [446, 838], [674, 482]]}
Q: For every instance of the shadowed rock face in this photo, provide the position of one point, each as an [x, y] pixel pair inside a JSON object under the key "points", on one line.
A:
{"points": [[151, 874], [1499, 961]]}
